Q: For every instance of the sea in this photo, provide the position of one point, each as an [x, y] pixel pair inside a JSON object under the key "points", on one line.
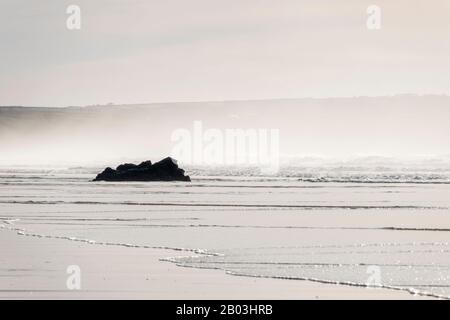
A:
{"points": [[349, 224]]}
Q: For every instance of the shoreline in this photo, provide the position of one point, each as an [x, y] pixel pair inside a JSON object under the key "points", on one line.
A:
{"points": [[36, 269]]}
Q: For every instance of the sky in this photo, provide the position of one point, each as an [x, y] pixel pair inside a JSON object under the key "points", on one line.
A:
{"points": [[142, 51]]}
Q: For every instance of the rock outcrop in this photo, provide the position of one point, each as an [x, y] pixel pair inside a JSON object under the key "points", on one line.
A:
{"points": [[164, 170]]}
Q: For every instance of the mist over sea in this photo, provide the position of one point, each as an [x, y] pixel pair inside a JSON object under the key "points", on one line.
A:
{"points": [[400, 127]]}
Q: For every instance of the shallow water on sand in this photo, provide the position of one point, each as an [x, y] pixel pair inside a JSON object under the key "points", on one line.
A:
{"points": [[390, 234]]}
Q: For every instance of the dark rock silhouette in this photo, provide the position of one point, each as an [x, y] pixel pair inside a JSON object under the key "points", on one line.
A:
{"points": [[164, 170]]}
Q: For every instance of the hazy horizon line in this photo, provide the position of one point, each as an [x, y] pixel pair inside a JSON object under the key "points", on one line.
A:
{"points": [[112, 104]]}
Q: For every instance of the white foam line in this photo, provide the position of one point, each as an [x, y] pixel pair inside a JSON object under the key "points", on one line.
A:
{"points": [[385, 244], [348, 283], [203, 252], [10, 226], [341, 283], [226, 205]]}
